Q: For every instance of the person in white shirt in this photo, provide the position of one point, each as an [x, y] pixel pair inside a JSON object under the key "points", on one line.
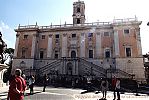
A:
{"points": [[31, 84], [117, 88]]}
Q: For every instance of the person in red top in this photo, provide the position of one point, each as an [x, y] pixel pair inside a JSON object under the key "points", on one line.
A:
{"points": [[17, 86], [114, 86]]}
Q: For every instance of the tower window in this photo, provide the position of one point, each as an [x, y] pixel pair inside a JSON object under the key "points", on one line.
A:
{"points": [[90, 53], [57, 36], [128, 52], [41, 54], [78, 21], [78, 9]]}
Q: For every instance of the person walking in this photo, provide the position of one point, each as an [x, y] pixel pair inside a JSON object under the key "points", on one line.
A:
{"points": [[31, 84], [45, 82], [17, 86], [116, 87], [104, 88]]}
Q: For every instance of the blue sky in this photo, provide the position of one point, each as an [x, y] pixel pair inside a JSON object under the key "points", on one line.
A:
{"points": [[45, 12]]}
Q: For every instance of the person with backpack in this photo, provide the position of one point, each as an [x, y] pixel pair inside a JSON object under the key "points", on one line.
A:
{"points": [[17, 86], [104, 88]]}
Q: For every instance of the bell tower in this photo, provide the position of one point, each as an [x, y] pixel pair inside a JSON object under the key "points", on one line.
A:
{"points": [[78, 12]]}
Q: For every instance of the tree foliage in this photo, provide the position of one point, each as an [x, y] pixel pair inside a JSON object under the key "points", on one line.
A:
{"points": [[9, 51]]}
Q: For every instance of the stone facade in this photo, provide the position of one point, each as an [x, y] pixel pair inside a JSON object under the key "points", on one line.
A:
{"points": [[108, 45]]}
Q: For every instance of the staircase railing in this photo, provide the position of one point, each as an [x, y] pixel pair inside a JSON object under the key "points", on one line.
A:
{"points": [[123, 73], [94, 66], [49, 66]]}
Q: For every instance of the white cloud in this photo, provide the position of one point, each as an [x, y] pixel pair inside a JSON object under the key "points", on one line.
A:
{"points": [[4, 25], [8, 34]]}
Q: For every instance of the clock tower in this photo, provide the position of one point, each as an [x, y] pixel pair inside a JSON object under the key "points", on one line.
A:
{"points": [[78, 12]]}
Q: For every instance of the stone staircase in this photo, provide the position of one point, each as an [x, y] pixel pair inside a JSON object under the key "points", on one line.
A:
{"points": [[118, 73], [49, 68], [91, 68], [85, 68]]}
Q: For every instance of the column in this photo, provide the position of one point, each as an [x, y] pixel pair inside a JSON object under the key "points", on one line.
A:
{"points": [[49, 52], [16, 45], [82, 45], [138, 38], [33, 46], [98, 45], [116, 43], [64, 45]]}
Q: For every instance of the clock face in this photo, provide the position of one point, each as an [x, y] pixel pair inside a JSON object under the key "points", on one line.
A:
{"points": [[78, 15]]}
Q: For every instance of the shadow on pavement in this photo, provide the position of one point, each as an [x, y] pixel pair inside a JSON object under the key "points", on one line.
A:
{"points": [[87, 91], [102, 99], [27, 94]]}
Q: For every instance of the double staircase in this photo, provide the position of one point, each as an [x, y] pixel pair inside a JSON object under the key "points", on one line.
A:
{"points": [[85, 68]]}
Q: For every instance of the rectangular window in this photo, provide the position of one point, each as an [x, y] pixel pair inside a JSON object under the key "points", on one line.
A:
{"points": [[126, 31], [57, 36], [25, 36], [106, 34], [90, 34], [78, 21], [43, 37], [90, 53], [107, 54], [23, 53], [128, 52], [73, 35], [41, 54], [56, 55]]}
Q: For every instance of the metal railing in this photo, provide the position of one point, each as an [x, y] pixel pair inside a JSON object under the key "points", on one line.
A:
{"points": [[48, 67], [96, 68], [120, 72]]}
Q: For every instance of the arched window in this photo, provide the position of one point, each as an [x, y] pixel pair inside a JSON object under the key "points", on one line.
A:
{"points": [[78, 21], [73, 54], [69, 68]]}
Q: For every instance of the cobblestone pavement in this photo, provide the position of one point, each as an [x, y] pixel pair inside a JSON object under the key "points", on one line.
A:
{"points": [[70, 94]]}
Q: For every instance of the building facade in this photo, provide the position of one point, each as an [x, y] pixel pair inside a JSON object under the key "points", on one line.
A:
{"points": [[101, 49]]}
